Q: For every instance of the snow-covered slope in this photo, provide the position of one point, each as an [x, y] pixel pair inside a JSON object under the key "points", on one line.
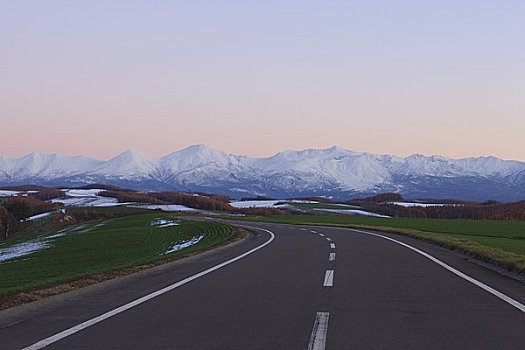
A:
{"points": [[44, 166], [130, 164], [333, 172], [199, 164]]}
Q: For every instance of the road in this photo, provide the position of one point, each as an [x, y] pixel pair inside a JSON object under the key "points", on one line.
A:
{"points": [[307, 288]]}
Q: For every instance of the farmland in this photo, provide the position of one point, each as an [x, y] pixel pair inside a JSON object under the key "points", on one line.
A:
{"points": [[102, 246]]}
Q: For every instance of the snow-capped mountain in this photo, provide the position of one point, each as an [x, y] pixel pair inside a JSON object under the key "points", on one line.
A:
{"points": [[42, 166], [200, 165], [129, 165], [335, 172]]}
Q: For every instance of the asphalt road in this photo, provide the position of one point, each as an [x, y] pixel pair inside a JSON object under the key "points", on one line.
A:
{"points": [[309, 288]]}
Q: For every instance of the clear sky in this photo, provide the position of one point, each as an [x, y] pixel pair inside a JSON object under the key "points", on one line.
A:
{"points": [[256, 77]]}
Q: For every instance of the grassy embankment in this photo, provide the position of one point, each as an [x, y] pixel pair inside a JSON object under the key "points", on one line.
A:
{"points": [[500, 242], [93, 248]]}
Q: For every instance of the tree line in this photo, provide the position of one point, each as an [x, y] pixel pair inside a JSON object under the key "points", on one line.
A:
{"points": [[16, 208], [489, 210]]}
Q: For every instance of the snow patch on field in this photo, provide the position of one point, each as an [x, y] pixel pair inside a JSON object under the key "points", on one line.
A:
{"points": [[424, 205], [268, 203], [179, 246], [21, 249], [353, 212], [301, 201], [88, 201], [87, 198], [57, 235], [167, 207], [165, 223], [43, 242], [38, 216], [111, 204], [344, 205], [255, 204], [6, 193], [83, 193]]}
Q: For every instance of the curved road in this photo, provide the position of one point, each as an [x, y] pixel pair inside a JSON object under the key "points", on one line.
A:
{"points": [[309, 288]]}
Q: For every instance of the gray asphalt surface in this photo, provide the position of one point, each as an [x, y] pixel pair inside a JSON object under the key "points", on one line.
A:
{"points": [[384, 296]]}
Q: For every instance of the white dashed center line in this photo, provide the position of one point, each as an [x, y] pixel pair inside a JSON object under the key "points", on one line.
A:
{"points": [[332, 257], [318, 337], [322, 235], [328, 239], [332, 245], [328, 278]]}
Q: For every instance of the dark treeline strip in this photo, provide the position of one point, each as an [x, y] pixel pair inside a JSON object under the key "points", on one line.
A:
{"points": [[124, 197], [47, 194], [514, 211], [22, 207], [490, 210], [38, 192], [220, 203], [14, 209], [8, 223]]}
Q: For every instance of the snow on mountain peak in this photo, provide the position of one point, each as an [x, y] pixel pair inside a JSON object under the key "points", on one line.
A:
{"points": [[314, 170], [195, 157], [129, 163], [44, 165]]}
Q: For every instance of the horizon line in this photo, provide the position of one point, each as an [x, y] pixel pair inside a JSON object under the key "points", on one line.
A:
{"points": [[258, 157]]}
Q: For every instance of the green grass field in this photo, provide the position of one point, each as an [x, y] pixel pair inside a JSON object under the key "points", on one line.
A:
{"points": [[502, 242], [93, 248]]}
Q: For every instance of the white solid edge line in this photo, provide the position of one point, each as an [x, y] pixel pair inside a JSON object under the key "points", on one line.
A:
{"points": [[319, 331], [70, 331], [332, 245], [474, 281], [328, 278], [331, 257]]}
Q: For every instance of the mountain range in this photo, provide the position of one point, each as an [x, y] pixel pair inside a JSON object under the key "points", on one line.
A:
{"points": [[333, 172]]}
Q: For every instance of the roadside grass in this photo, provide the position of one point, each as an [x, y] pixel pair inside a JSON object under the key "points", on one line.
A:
{"points": [[499, 242], [95, 248]]}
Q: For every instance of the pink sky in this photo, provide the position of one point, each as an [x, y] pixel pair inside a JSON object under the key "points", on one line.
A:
{"points": [[258, 78]]}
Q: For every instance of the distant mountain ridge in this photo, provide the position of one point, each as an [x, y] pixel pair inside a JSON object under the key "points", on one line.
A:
{"points": [[334, 172]]}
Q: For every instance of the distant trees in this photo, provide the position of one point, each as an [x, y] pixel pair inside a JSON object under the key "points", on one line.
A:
{"points": [[14, 209], [7, 222], [128, 196], [195, 201], [489, 210], [381, 198], [22, 207], [497, 211], [47, 194]]}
